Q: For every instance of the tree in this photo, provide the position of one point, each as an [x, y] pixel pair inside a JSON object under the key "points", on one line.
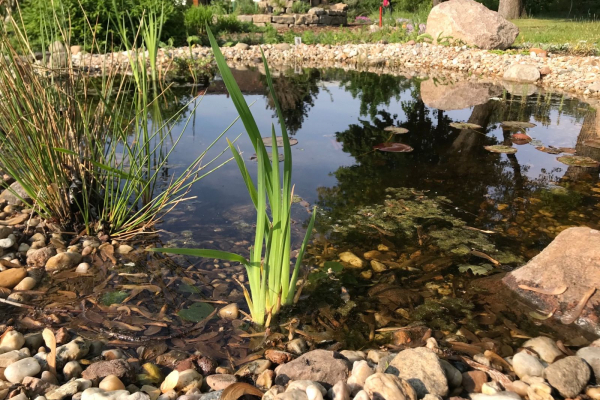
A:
{"points": [[511, 9]]}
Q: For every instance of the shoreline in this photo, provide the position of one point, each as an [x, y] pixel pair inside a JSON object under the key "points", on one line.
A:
{"points": [[575, 75]]}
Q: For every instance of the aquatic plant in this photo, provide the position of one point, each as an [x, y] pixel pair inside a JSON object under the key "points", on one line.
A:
{"points": [[268, 267], [84, 153]]}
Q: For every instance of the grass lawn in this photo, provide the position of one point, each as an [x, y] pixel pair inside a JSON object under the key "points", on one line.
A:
{"points": [[558, 31]]}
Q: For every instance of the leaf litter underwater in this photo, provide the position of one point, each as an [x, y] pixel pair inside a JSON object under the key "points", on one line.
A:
{"points": [[403, 237]]}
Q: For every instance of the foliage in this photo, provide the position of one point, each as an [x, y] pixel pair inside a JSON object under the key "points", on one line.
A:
{"points": [[245, 7], [300, 7], [560, 35], [229, 23], [196, 19], [268, 276]]}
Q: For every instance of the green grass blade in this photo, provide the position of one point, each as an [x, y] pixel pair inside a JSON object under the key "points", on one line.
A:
{"points": [[206, 253], [311, 224]]}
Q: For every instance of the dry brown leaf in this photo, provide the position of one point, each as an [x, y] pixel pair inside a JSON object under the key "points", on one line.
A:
{"points": [[67, 294], [551, 291], [122, 325], [153, 330], [50, 341], [571, 315], [150, 288], [239, 389], [107, 251]]}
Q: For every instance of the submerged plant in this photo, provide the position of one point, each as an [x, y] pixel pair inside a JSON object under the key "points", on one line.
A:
{"points": [[268, 267]]}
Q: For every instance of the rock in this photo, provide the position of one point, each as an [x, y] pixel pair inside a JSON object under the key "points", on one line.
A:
{"points": [[47, 375], [545, 70], [274, 391], [8, 242], [181, 381], [313, 393], [497, 396], [12, 356], [568, 375], [66, 390], [99, 394], [473, 381], [325, 367], [265, 379], [253, 368], [519, 387], [472, 23], [152, 391], [525, 364], [242, 46], [591, 355], [594, 87], [111, 383], [8, 197], [593, 393], [124, 249], [278, 356], [340, 391], [545, 347], [360, 372], [351, 259], [459, 95], [27, 283], [36, 387], [522, 73], [377, 266], [375, 356], [571, 261], [11, 277], [39, 257], [362, 395], [17, 371], [421, 367], [453, 375], [75, 350], [12, 340], [540, 391], [297, 346], [292, 395], [62, 261], [212, 395], [389, 387], [284, 46], [303, 384], [353, 355], [230, 311], [220, 381], [101, 369]]}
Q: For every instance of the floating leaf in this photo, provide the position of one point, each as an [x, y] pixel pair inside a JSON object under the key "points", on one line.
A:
{"points": [[253, 157], [549, 149], [196, 312], [465, 125], [239, 389], [476, 269], [185, 288], [579, 161], [268, 141], [397, 130], [517, 124], [595, 143], [498, 148], [334, 266], [114, 297], [520, 138], [393, 147]]}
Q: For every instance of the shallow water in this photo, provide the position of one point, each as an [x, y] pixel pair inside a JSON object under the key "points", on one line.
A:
{"points": [[521, 201]]}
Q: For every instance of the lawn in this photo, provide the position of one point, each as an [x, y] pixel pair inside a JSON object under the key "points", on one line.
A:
{"points": [[558, 31]]}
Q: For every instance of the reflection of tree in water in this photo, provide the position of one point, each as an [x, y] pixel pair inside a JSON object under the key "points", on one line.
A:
{"points": [[296, 94]]}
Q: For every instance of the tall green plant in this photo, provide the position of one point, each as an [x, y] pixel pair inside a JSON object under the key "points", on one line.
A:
{"points": [[268, 267]]}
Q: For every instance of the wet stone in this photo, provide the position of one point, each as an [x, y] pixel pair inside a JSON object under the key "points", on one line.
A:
{"points": [[101, 369], [325, 367], [17, 371], [220, 381], [525, 364], [422, 369], [569, 375], [253, 368]]}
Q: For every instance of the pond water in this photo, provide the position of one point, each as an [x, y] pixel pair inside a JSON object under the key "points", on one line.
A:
{"points": [[454, 210]]}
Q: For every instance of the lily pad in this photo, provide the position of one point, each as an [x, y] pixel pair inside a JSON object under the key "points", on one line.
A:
{"points": [[595, 143], [465, 125], [549, 149], [520, 138], [397, 130], [498, 148], [517, 124], [579, 161], [196, 312], [253, 157], [476, 269], [393, 147], [268, 141], [334, 266]]}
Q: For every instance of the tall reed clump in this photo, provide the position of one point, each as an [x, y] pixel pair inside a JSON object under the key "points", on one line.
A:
{"points": [[86, 152], [268, 267]]}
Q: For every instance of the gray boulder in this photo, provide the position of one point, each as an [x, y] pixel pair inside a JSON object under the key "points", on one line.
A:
{"points": [[422, 368], [11, 198], [472, 23], [569, 376], [325, 367], [522, 73]]}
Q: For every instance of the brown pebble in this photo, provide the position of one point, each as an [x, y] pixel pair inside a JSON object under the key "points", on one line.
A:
{"points": [[474, 380]]}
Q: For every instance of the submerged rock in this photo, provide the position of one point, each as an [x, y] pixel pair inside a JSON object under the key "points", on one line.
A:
{"points": [[459, 95], [62, 261], [421, 367]]}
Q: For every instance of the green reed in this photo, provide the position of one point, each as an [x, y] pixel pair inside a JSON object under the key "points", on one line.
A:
{"points": [[268, 267]]}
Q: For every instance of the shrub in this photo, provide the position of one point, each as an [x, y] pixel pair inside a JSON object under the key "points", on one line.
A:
{"points": [[229, 23], [300, 7], [245, 7], [196, 19]]}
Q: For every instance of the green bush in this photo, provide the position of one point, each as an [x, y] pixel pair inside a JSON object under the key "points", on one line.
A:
{"points": [[39, 16], [300, 7], [196, 19], [245, 7]]}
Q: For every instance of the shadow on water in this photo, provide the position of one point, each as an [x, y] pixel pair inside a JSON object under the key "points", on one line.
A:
{"points": [[422, 225]]}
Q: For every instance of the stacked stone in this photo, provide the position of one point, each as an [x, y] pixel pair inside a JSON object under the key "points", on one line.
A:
{"points": [[335, 15]]}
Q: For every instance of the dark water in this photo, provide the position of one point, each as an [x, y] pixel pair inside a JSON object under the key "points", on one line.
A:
{"points": [[521, 201]]}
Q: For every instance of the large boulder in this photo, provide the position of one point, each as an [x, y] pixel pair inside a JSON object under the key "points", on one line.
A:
{"points": [[526, 73], [459, 95], [563, 276], [472, 23]]}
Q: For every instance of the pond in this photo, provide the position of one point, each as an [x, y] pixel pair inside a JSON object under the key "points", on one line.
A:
{"points": [[423, 223]]}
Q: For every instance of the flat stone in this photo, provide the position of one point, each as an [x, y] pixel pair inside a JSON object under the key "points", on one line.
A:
{"points": [[525, 364], [389, 387], [522, 73], [72, 351], [17, 371], [63, 261], [220, 381], [11, 277], [101, 369], [568, 375], [421, 367], [12, 356], [37, 387], [66, 390], [459, 95], [12, 199], [325, 367]]}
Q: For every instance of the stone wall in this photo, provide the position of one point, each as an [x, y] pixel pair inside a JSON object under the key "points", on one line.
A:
{"points": [[334, 15]]}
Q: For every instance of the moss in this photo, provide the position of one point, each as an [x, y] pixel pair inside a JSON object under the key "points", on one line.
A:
{"points": [[442, 314]]}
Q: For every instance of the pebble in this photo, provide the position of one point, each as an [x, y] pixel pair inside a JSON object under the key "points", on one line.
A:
{"points": [[592, 356], [340, 391], [545, 347], [18, 370], [220, 381], [11, 277], [351, 259], [12, 340], [82, 268], [292, 395], [568, 375], [389, 387], [230, 311], [297, 346], [72, 369], [526, 364], [313, 393], [12, 356], [360, 372], [66, 390], [265, 379], [353, 355], [152, 391], [111, 383], [100, 394], [27, 283], [304, 384]]}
